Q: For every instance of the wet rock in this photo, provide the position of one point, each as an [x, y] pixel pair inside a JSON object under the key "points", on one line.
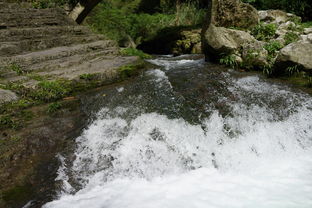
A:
{"points": [[7, 96], [296, 54], [233, 13]]}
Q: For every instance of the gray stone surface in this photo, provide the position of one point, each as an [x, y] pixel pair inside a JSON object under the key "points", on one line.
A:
{"points": [[7, 96]]}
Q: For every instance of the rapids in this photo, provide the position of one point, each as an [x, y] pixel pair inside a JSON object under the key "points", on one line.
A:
{"points": [[188, 134]]}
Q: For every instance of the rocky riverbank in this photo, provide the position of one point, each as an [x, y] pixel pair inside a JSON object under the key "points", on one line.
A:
{"points": [[273, 41]]}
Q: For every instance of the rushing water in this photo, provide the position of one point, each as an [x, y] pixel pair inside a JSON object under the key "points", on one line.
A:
{"points": [[187, 134]]}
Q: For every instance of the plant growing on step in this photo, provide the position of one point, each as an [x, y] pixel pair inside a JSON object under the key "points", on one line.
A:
{"points": [[48, 91], [264, 32], [16, 68], [54, 107], [291, 37], [268, 69], [134, 52], [87, 76], [229, 60]]}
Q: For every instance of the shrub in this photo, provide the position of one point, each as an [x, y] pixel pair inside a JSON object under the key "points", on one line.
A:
{"points": [[264, 32]]}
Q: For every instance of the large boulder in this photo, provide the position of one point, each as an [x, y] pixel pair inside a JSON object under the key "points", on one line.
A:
{"points": [[219, 41], [295, 54], [233, 13]]}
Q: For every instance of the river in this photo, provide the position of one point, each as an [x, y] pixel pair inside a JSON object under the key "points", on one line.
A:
{"points": [[190, 134]]}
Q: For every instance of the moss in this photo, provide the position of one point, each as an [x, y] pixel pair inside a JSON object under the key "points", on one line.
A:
{"points": [[17, 195], [54, 107], [134, 52], [130, 69]]}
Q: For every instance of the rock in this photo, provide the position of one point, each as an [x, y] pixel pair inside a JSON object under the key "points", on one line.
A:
{"points": [[7, 96], [298, 53], [254, 54], [307, 30], [277, 16], [233, 13], [220, 41]]}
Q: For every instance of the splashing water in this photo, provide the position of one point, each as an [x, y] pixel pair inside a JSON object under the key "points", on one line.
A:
{"points": [[157, 149]]}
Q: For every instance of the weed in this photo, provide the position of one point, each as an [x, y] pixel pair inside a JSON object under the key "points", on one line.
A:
{"points": [[229, 60], [48, 91], [264, 32], [54, 107], [16, 68], [272, 47], [291, 70], [6, 121], [87, 76]]}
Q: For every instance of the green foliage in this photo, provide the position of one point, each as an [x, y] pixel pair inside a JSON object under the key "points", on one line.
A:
{"points": [[48, 91], [229, 60], [17, 68], [42, 4], [135, 52], [54, 107], [7, 121], [291, 37], [121, 21], [264, 32], [306, 24], [272, 47], [291, 70], [87, 76]]}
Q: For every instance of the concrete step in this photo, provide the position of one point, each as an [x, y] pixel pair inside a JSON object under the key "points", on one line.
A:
{"points": [[26, 60], [34, 18], [19, 34], [24, 46]]}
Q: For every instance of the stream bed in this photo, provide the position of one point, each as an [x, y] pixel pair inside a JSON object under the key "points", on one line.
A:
{"points": [[190, 134]]}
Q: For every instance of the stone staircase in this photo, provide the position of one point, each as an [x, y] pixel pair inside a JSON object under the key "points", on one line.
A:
{"points": [[45, 42]]}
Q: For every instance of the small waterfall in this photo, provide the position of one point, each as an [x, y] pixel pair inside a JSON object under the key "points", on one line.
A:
{"points": [[188, 134]]}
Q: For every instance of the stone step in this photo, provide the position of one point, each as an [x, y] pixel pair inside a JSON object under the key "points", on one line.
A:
{"points": [[33, 18], [70, 61], [18, 47], [18, 34], [26, 60]]}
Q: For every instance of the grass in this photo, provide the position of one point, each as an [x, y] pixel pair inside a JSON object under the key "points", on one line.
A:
{"points": [[16, 68], [54, 107], [306, 24], [272, 47]]}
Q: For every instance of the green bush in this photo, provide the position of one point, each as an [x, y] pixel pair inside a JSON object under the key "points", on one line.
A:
{"points": [[264, 32]]}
